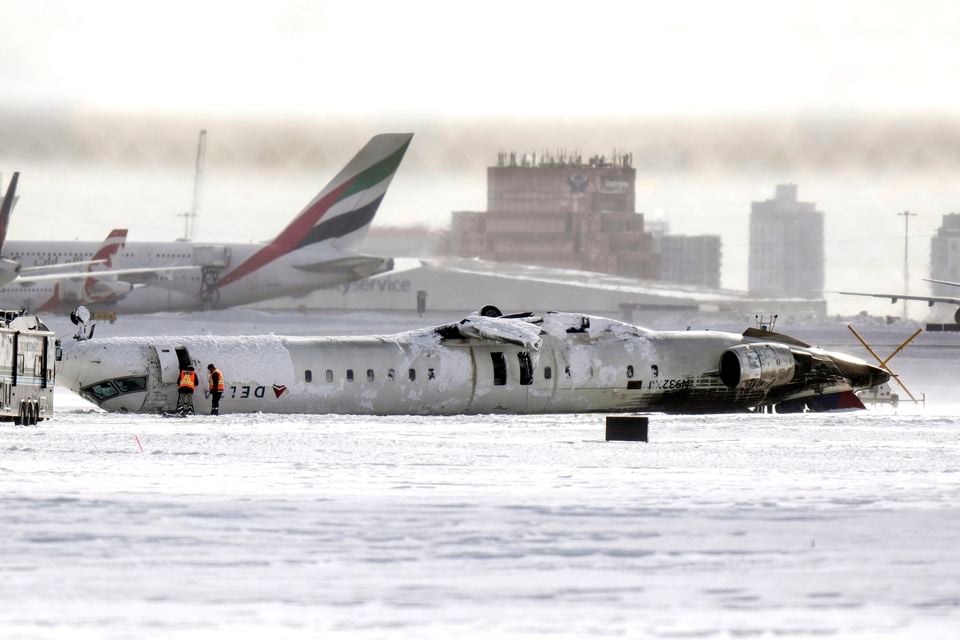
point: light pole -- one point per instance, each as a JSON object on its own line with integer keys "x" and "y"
{"x": 906, "y": 257}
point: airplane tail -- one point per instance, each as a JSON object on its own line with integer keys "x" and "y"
{"x": 9, "y": 198}
{"x": 97, "y": 288}
{"x": 111, "y": 246}
{"x": 343, "y": 211}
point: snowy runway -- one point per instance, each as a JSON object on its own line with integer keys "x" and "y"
{"x": 302, "y": 526}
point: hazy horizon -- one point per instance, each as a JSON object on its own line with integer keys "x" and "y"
{"x": 100, "y": 106}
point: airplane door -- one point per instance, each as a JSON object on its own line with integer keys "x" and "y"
{"x": 545, "y": 381}
{"x": 169, "y": 364}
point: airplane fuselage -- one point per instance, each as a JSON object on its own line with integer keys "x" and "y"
{"x": 577, "y": 364}
{"x": 182, "y": 290}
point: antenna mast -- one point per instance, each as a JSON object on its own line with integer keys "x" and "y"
{"x": 189, "y": 218}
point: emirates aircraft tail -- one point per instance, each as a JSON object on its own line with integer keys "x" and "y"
{"x": 342, "y": 212}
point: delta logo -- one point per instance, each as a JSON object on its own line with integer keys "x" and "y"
{"x": 279, "y": 389}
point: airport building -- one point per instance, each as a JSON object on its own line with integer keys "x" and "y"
{"x": 945, "y": 255}
{"x": 562, "y": 212}
{"x": 457, "y": 286}
{"x": 786, "y": 246}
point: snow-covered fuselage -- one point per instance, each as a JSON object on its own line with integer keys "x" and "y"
{"x": 549, "y": 363}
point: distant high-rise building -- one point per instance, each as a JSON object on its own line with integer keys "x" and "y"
{"x": 559, "y": 211}
{"x": 945, "y": 255}
{"x": 690, "y": 260}
{"x": 786, "y": 246}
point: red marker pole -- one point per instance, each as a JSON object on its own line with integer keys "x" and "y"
{"x": 138, "y": 442}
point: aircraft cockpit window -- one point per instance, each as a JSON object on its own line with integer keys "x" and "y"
{"x": 526, "y": 368}
{"x": 307, "y": 375}
{"x": 369, "y": 375}
{"x": 329, "y": 375}
{"x": 129, "y": 385}
{"x": 349, "y": 375}
{"x": 102, "y": 390}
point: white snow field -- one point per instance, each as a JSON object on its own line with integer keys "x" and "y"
{"x": 841, "y": 525}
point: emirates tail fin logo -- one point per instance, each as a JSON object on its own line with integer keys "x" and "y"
{"x": 279, "y": 389}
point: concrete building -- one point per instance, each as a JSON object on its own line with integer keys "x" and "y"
{"x": 945, "y": 255}
{"x": 408, "y": 242}
{"x": 786, "y": 246}
{"x": 562, "y": 212}
{"x": 690, "y": 260}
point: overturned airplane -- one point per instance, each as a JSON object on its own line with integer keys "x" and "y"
{"x": 486, "y": 363}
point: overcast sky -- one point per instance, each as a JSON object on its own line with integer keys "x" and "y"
{"x": 505, "y": 58}
{"x": 715, "y": 98}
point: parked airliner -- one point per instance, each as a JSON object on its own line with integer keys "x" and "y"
{"x": 930, "y": 300}
{"x": 485, "y": 363}
{"x": 313, "y": 251}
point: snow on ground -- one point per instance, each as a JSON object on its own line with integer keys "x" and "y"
{"x": 794, "y": 526}
{"x": 490, "y": 526}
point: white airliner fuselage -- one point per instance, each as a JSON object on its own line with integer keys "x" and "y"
{"x": 290, "y": 274}
{"x": 547, "y": 363}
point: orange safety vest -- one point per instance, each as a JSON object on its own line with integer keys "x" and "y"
{"x": 188, "y": 380}
{"x": 219, "y": 376}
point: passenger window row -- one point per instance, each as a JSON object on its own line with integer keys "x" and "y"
{"x": 371, "y": 376}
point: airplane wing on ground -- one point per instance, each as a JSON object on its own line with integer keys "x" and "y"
{"x": 498, "y": 330}
{"x": 895, "y": 297}
{"x": 947, "y": 282}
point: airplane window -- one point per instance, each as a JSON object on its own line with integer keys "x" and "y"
{"x": 329, "y": 375}
{"x": 129, "y": 385}
{"x": 629, "y": 370}
{"x": 412, "y": 374}
{"x": 390, "y": 375}
{"x": 526, "y": 368}
{"x": 369, "y": 375}
{"x": 499, "y": 368}
{"x": 308, "y": 375}
{"x": 430, "y": 374}
{"x": 101, "y": 390}
{"x": 349, "y": 375}
{"x": 547, "y": 373}
{"x": 566, "y": 371}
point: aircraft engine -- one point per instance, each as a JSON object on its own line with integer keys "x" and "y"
{"x": 757, "y": 366}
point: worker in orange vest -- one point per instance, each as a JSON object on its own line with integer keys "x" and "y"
{"x": 216, "y": 388}
{"x": 188, "y": 381}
